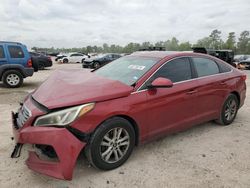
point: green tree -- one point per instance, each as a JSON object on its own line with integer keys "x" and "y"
{"x": 243, "y": 45}
{"x": 231, "y": 41}
{"x": 185, "y": 46}
{"x": 204, "y": 42}
{"x": 216, "y": 41}
{"x": 172, "y": 44}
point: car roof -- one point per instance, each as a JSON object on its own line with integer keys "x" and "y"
{"x": 161, "y": 54}
{"x": 9, "y": 42}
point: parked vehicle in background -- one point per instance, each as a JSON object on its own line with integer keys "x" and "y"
{"x": 241, "y": 57}
{"x": 225, "y": 55}
{"x": 42, "y": 60}
{"x": 130, "y": 101}
{"x": 98, "y": 61}
{"x": 15, "y": 63}
{"x": 244, "y": 64}
{"x": 60, "y": 56}
{"x": 73, "y": 58}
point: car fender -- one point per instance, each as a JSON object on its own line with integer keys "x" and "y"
{"x": 3, "y": 68}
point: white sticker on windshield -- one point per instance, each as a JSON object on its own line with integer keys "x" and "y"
{"x": 136, "y": 67}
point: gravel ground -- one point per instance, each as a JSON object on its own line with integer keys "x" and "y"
{"x": 207, "y": 155}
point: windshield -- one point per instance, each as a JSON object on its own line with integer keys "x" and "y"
{"x": 127, "y": 69}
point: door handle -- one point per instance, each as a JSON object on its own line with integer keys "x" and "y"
{"x": 222, "y": 83}
{"x": 191, "y": 92}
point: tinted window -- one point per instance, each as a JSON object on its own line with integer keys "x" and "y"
{"x": 2, "y": 55}
{"x": 224, "y": 67}
{"x": 176, "y": 70}
{"x": 205, "y": 67}
{"x": 16, "y": 52}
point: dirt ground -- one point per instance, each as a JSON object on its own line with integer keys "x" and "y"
{"x": 207, "y": 155}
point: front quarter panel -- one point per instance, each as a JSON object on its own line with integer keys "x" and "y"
{"x": 132, "y": 106}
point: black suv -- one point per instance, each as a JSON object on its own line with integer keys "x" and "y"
{"x": 225, "y": 55}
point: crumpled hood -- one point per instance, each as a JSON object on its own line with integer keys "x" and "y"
{"x": 74, "y": 86}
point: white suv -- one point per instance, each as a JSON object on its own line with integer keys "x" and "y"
{"x": 73, "y": 58}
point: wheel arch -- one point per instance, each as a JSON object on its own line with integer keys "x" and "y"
{"x": 10, "y": 68}
{"x": 237, "y": 95}
{"x": 134, "y": 125}
{"x": 130, "y": 120}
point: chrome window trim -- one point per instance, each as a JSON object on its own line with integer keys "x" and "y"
{"x": 139, "y": 91}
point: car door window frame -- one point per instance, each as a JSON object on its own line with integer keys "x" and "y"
{"x": 3, "y": 52}
{"x": 193, "y": 73}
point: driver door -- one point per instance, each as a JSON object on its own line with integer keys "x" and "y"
{"x": 172, "y": 109}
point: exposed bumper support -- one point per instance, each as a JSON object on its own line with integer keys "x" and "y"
{"x": 66, "y": 145}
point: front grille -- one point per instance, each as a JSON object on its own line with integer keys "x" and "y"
{"x": 23, "y": 115}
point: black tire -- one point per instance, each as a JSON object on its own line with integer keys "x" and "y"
{"x": 65, "y": 60}
{"x": 17, "y": 78}
{"x": 41, "y": 66}
{"x": 232, "y": 112}
{"x": 94, "y": 147}
{"x": 96, "y": 65}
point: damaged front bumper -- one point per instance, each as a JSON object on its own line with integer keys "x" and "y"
{"x": 66, "y": 145}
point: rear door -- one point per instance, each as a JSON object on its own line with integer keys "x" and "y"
{"x": 172, "y": 109}
{"x": 211, "y": 88}
{"x": 3, "y": 58}
{"x": 16, "y": 54}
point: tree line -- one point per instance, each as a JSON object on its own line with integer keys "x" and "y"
{"x": 213, "y": 41}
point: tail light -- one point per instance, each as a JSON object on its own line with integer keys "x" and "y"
{"x": 29, "y": 63}
{"x": 49, "y": 58}
{"x": 244, "y": 77}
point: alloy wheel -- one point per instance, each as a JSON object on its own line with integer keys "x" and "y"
{"x": 230, "y": 110}
{"x": 114, "y": 145}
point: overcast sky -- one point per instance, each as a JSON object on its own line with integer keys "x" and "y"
{"x": 77, "y": 23}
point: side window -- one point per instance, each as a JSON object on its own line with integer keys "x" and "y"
{"x": 224, "y": 67}
{"x": 176, "y": 70}
{"x": 205, "y": 67}
{"x": 15, "y": 52}
{"x": 2, "y": 55}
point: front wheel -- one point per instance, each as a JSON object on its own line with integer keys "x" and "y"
{"x": 229, "y": 110}
{"x": 111, "y": 144}
{"x": 96, "y": 65}
{"x": 12, "y": 78}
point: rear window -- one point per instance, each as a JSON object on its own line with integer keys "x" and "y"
{"x": 16, "y": 52}
{"x": 2, "y": 55}
{"x": 205, "y": 67}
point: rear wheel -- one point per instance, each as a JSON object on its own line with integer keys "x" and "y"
{"x": 12, "y": 78}
{"x": 111, "y": 144}
{"x": 229, "y": 110}
{"x": 65, "y": 60}
{"x": 41, "y": 66}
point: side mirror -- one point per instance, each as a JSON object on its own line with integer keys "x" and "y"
{"x": 161, "y": 83}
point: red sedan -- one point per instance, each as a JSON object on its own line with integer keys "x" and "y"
{"x": 130, "y": 101}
